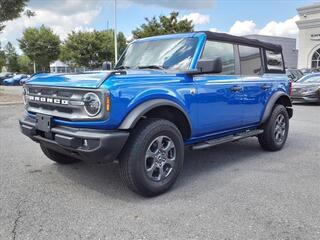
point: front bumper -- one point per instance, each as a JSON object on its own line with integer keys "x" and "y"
{"x": 86, "y": 144}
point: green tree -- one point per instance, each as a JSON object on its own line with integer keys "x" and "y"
{"x": 25, "y": 64}
{"x": 11, "y": 58}
{"x": 41, "y": 45}
{"x": 91, "y": 49}
{"x": 2, "y": 58}
{"x": 165, "y": 25}
{"x": 11, "y": 9}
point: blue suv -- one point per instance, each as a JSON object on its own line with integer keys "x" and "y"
{"x": 166, "y": 92}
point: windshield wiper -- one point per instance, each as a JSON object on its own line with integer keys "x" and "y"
{"x": 122, "y": 67}
{"x": 152, "y": 67}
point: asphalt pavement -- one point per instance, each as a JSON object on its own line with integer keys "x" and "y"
{"x": 232, "y": 191}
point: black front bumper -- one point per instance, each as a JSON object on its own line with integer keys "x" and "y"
{"x": 85, "y": 144}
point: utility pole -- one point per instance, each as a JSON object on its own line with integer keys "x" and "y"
{"x": 115, "y": 33}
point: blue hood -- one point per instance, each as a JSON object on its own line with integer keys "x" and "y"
{"x": 82, "y": 80}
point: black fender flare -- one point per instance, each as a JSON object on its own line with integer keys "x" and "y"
{"x": 273, "y": 99}
{"x": 135, "y": 115}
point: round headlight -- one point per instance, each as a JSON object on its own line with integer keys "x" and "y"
{"x": 92, "y": 104}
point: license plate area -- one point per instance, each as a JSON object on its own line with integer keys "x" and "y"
{"x": 43, "y": 122}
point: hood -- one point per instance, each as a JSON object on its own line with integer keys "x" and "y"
{"x": 82, "y": 80}
{"x": 304, "y": 85}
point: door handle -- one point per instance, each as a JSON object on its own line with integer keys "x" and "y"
{"x": 266, "y": 86}
{"x": 236, "y": 88}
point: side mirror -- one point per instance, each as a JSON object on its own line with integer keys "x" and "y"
{"x": 210, "y": 65}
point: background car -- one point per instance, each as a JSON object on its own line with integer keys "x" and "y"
{"x": 306, "y": 71}
{"x": 307, "y": 88}
{"x": 5, "y": 75}
{"x": 294, "y": 74}
{"x": 15, "y": 80}
{"x": 24, "y": 80}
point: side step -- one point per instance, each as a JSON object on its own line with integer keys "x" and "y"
{"x": 230, "y": 138}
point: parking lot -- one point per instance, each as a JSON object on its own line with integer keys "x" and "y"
{"x": 233, "y": 191}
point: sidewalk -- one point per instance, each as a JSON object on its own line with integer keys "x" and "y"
{"x": 10, "y": 95}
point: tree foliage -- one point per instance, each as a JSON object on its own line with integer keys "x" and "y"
{"x": 11, "y": 9}
{"x": 40, "y": 45}
{"x": 2, "y": 58}
{"x": 91, "y": 49}
{"x": 165, "y": 25}
{"x": 11, "y": 57}
{"x": 25, "y": 64}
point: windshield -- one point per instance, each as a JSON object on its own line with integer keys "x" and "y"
{"x": 310, "y": 79}
{"x": 159, "y": 54}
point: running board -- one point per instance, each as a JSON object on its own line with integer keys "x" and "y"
{"x": 230, "y": 138}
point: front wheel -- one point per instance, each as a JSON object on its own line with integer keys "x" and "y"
{"x": 275, "y": 130}
{"x": 153, "y": 157}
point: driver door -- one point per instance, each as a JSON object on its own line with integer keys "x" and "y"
{"x": 220, "y": 96}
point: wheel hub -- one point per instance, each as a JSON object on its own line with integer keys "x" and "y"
{"x": 160, "y": 158}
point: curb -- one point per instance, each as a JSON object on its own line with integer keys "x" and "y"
{"x": 10, "y": 103}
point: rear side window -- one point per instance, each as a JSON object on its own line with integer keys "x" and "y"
{"x": 213, "y": 50}
{"x": 274, "y": 61}
{"x": 250, "y": 61}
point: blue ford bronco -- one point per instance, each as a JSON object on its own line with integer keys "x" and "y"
{"x": 196, "y": 89}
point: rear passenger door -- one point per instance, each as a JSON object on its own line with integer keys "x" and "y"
{"x": 219, "y": 96}
{"x": 256, "y": 87}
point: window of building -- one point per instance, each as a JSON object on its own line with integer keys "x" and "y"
{"x": 213, "y": 50}
{"x": 274, "y": 61}
{"x": 316, "y": 60}
{"x": 250, "y": 60}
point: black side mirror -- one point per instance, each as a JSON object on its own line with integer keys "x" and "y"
{"x": 210, "y": 65}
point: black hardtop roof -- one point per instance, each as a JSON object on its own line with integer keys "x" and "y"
{"x": 224, "y": 37}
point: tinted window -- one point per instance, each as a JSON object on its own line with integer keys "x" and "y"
{"x": 274, "y": 61}
{"x": 213, "y": 50}
{"x": 250, "y": 60}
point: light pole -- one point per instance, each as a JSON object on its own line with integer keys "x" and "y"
{"x": 115, "y": 33}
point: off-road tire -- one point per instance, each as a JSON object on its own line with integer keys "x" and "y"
{"x": 58, "y": 157}
{"x": 267, "y": 139}
{"x": 133, "y": 158}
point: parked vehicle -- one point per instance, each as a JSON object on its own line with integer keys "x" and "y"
{"x": 5, "y": 75}
{"x": 306, "y": 71}
{"x": 24, "y": 80}
{"x": 294, "y": 74}
{"x": 307, "y": 88}
{"x": 194, "y": 89}
{"x": 15, "y": 80}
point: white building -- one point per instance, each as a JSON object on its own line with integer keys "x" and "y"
{"x": 309, "y": 36}
{"x": 289, "y": 48}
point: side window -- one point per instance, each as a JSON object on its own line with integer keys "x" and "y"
{"x": 225, "y": 51}
{"x": 250, "y": 60}
{"x": 274, "y": 61}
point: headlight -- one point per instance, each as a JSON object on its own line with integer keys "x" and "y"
{"x": 92, "y": 104}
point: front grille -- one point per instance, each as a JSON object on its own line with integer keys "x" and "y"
{"x": 64, "y": 103}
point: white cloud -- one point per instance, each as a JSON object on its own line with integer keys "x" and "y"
{"x": 243, "y": 28}
{"x": 177, "y": 4}
{"x": 287, "y": 28}
{"x": 213, "y": 30}
{"x": 61, "y": 19}
{"x": 197, "y": 18}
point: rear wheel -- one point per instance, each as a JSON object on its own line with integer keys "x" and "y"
{"x": 153, "y": 157}
{"x": 58, "y": 157}
{"x": 275, "y": 130}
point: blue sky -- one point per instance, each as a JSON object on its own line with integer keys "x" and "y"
{"x": 268, "y": 17}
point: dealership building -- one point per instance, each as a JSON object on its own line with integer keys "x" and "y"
{"x": 309, "y": 36}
